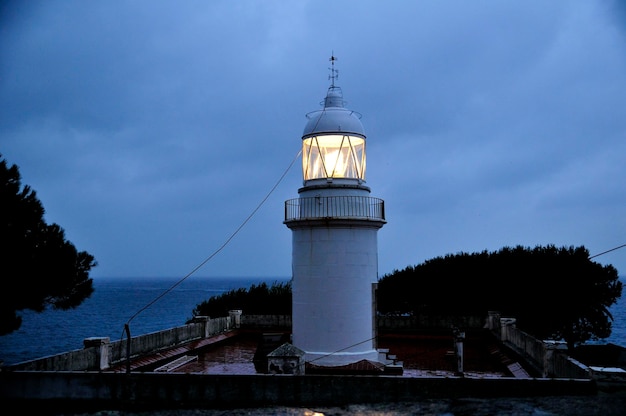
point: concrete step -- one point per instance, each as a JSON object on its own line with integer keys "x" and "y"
{"x": 172, "y": 365}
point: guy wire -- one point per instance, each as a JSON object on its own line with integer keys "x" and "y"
{"x": 195, "y": 269}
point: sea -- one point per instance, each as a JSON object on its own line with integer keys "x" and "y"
{"x": 149, "y": 304}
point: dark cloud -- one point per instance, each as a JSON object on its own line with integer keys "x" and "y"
{"x": 151, "y": 131}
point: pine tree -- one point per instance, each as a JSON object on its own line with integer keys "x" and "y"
{"x": 40, "y": 268}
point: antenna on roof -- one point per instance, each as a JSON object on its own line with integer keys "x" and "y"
{"x": 334, "y": 73}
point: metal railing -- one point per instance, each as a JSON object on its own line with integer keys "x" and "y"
{"x": 340, "y": 207}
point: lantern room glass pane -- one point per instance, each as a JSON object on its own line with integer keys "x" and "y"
{"x": 333, "y": 156}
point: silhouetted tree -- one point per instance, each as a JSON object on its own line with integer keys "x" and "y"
{"x": 259, "y": 299}
{"x": 554, "y": 293}
{"x": 40, "y": 268}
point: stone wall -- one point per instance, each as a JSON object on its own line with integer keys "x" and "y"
{"x": 401, "y": 323}
{"x": 100, "y": 353}
{"x": 548, "y": 358}
{"x": 74, "y": 391}
{"x": 266, "y": 321}
{"x": 395, "y": 323}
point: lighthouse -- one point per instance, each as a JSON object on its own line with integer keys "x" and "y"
{"x": 334, "y": 224}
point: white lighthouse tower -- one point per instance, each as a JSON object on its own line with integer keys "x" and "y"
{"x": 334, "y": 225}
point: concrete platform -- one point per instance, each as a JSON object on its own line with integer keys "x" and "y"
{"x": 422, "y": 355}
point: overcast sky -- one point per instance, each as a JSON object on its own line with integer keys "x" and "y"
{"x": 151, "y": 130}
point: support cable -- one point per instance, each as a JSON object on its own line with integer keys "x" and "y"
{"x": 367, "y": 340}
{"x": 608, "y": 251}
{"x": 342, "y": 349}
{"x": 195, "y": 269}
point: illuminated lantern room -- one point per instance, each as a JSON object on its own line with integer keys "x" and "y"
{"x": 333, "y": 142}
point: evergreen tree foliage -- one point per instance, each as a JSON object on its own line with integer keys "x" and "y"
{"x": 554, "y": 293}
{"x": 39, "y": 265}
{"x": 259, "y": 299}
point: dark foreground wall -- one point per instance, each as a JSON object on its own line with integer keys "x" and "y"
{"x": 90, "y": 390}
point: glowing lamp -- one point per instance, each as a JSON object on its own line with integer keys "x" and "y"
{"x": 333, "y": 142}
{"x": 333, "y": 156}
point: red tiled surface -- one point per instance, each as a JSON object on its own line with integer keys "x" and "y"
{"x": 422, "y": 355}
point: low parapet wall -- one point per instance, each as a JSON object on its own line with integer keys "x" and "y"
{"x": 266, "y": 321}
{"x": 548, "y": 358}
{"x": 400, "y": 323}
{"x": 72, "y": 391}
{"x": 395, "y": 323}
{"x": 99, "y": 353}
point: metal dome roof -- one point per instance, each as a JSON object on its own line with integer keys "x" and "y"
{"x": 334, "y": 118}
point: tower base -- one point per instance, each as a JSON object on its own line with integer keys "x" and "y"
{"x": 385, "y": 363}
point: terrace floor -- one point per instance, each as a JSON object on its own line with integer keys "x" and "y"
{"x": 422, "y": 355}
